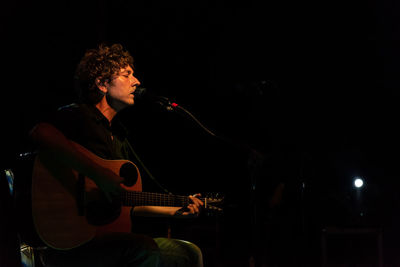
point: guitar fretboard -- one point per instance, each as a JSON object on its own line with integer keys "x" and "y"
{"x": 154, "y": 199}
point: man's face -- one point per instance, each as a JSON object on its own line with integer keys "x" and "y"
{"x": 121, "y": 88}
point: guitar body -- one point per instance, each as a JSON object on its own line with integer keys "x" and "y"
{"x": 59, "y": 205}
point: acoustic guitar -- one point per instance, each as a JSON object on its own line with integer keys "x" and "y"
{"x": 69, "y": 209}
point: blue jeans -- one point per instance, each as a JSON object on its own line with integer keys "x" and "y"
{"x": 180, "y": 253}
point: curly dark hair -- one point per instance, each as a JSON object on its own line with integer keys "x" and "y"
{"x": 102, "y": 63}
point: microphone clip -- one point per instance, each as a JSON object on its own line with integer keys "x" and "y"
{"x": 166, "y": 103}
{"x": 141, "y": 93}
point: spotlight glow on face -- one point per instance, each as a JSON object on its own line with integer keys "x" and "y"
{"x": 358, "y": 182}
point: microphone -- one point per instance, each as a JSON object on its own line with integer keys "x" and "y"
{"x": 142, "y": 94}
{"x": 139, "y": 92}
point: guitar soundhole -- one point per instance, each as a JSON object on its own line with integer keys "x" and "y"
{"x": 129, "y": 173}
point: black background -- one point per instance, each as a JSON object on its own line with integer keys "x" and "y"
{"x": 311, "y": 86}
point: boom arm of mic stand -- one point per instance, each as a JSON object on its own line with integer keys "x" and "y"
{"x": 256, "y": 157}
{"x": 197, "y": 121}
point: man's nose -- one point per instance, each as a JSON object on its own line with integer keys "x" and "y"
{"x": 135, "y": 81}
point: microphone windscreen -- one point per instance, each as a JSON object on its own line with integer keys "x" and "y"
{"x": 140, "y": 92}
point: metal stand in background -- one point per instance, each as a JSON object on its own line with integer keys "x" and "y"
{"x": 303, "y": 184}
{"x": 254, "y": 165}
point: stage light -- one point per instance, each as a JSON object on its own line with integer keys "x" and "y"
{"x": 358, "y": 182}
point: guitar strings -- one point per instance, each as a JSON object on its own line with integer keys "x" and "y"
{"x": 148, "y": 198}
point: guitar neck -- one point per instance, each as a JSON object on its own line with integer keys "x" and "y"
{"x": 153, "y": 199}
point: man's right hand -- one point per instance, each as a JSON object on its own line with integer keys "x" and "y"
{"x": 109, "y": 183}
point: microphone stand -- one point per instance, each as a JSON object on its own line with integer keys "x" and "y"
{"x": 254, "y": 163}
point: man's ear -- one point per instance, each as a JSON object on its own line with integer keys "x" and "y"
{"x": 102, "y": 86}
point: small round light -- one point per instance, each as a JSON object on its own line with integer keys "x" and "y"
{"x": 358, "y": 182}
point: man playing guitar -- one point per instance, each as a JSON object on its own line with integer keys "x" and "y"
{"x": 78, "y": 146}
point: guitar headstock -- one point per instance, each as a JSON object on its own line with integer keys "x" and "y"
{"x": 213, "y": 203}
